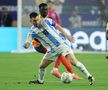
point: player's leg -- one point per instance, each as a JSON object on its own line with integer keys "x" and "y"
{"x": 65, "y": 62}
{"x": 48, "y": 58}
{"x": 41, "y": 74}
{"x": 43, "y": 65}
{"x": 57, "y": 63}
{"x": 55, "y": 70}
{"x": 80, "y": 66}
{"x": 67, "y": 65}
{"x": 63, "y": 49}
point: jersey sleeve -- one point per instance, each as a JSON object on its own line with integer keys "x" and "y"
{"x": 53, "y": 23}
{"x": 50, "y": 22}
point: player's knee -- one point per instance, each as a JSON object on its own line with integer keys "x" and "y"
{"x": 74, "y": 62}
{"x": 41, "y": 66}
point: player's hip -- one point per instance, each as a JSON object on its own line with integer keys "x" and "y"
{"x": 62, "y": 49}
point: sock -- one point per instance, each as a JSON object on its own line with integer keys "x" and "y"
{"x": 57, "y": 63}
{"x": 41, "y": 75}
{"x": 54, "y": 68}
{"x": 66, "y": 63}
{"x": 82, "y": 68}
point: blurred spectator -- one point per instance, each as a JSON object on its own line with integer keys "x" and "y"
{"x": 58, "y": 5}
{"x": 102, "y": 8}
{"x": 75, "y": 19}
{"x": 25, "y": 18}
{"x": 5, "y": 18}
{"x": 40, "y": 1}
{"x": 52, "y": 13}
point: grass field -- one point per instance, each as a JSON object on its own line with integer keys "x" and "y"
{"x": 17, "y": 69}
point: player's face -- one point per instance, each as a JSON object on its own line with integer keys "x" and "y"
{"x": 44, "y": 11}
{"x": 35, "y": 21}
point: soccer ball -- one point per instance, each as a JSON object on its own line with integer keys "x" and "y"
{"x": 66, "y": 77}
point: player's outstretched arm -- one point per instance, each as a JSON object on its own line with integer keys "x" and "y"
{"x": 28, "y": 41}
{"x": 70, "y": 38}
{"x": 26, "y": 45}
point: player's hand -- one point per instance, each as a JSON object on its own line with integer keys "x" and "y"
{"x": 71, "y": 39}
{"x": 26, "y": 45}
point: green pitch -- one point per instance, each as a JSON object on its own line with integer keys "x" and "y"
{"x": 17, "y": 69}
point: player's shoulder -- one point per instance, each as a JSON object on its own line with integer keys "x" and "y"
{"x": 47, "y": 20}
{"x": 32, "y": 27}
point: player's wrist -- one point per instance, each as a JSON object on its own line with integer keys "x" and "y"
{"x": 26, "y": 45}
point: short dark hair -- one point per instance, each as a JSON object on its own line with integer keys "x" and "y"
{"x": 42, "y": 5}
{"x": 33, "y": 14}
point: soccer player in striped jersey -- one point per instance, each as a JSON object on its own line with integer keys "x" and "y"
{"x": 45, "y": 32}
{"x": 43, "y": 12}
{"x": 50, "y": 39}
{"x": 43, "y": 9}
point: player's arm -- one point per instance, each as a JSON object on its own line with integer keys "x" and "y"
{"x": 107, "y": 31}
{"x": 58, "y": 27}
{"x": 28, "y": 41}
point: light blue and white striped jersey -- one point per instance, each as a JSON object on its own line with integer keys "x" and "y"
{"x": 47, "y": 34}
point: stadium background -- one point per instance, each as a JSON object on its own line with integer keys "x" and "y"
{"x": 17, "y": 69}
{"x": 94, "y": 33}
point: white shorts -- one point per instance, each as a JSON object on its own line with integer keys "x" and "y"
{"x": 62, "y": 49}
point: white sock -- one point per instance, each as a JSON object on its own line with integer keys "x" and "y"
{"x": 82, "y": 68}
{"x": 41, "y": 75}
{"x": 73, "y": 74}
{"x": 54, "y": 68}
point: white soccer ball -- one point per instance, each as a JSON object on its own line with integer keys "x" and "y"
{"x": 66, "y": 77}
